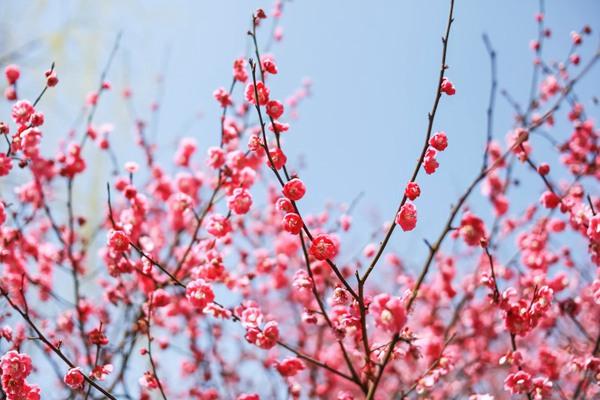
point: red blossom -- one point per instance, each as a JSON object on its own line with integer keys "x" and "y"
{"x": 407, "y": 217}
{"x": 472, "y": 229}
{"x": 74, "y": 378}
{"x": 294, "y": 189}
{"x": 263, "y": 93}
{"x": 292, "y": 223}
{"x": 439, "y": 141}
{"x": 12, "y": 73}
{"x": 118, "y": 241}
{"x": 412, "y": 191}
{"x": 323, "y": 247}
{"x": 290, "y": 366}
{"x": 199, "y": 293}
{"x": 448, "y": 87}
{"x": 389, "y": 312}
{"x": 274, "y": 109}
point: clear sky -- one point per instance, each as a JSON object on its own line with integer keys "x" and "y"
{"x": 373, "y": 65}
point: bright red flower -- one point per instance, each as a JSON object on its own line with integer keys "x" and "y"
{"x": 274, "y": 109}
{"x": 279, "y": 159}
{"x": 240, "y": 201}
{"x": 292, "y": 223}
{"x": 439, "y": 141}
{"x": 199, "y": 293}
{"x": 290, "y": 366}
{"x": 12, "y": 73}
{"x": 323, "y": 247}
{"x": 472, "y": 229}
{"x": 430, "y": 164}
{"x": 239, "y": 70}
{"x": 118, "y": 241}
{"x": 407, "y": 217}
{"x": 294, "y": 189}
{"x": 261, "y": 89}
{"x": 223, "y": 97}
{"x": 218, "y": 225}
{"x": 268, "y": 65}
{"x": 412, "y": 190}
{"x": 518, "y": 382}
{"x": 74, "y": 378}
{"x": 389, "y": 312}
{"x": 448, "y": 87}
{"x": 549, "y": 199}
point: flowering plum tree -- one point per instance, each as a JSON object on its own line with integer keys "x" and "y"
{"x": 203, "y": 291}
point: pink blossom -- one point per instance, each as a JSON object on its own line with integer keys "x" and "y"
{"x": 290, "y": 366}
{"x": 323, "y": 247}
{"x": 472, "y": 229}
{"x": 447, "y": 87}
{"x": 518, "y": 382}
{"x": 223, "y": 97}
{"x": 118, "y": 241}
{"x": 199, "y": 293}
{"x": 439, "y": 141}
{"x": 240, "y": 201}
{"x": 389, "y": 312}
{"x": 274, "y": 109}
{"x": 294, "y": 189}
{"x": 218, "y": 225}
{"x": 261, "y": 89}
{"x": 407, "y": 217}
{"x": 74, "y": 378}
{"x": 292, "y": 223}
{"x": 12, "y": 73}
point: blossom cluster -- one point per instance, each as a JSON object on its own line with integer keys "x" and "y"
{"x": 203, "y": 275}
